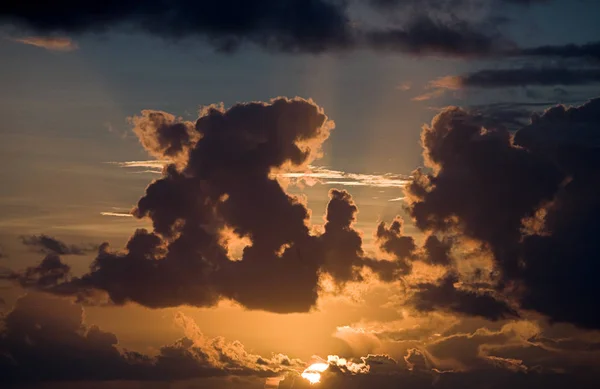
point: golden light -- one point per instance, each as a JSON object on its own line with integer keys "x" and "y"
{"x": 313, "y": 372}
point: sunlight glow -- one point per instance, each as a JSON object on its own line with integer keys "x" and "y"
{"x": 313, "y": 372}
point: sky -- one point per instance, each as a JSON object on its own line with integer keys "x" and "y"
{"x": 299, "y": 194}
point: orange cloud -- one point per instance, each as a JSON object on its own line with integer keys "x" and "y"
{"x": 447, "y": 82}
{"x": 49, "y": 43}
{"x": 429, "y": 95}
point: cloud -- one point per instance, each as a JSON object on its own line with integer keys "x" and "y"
{"x": 311, "y": 175}
{"x": 445, "y": 296}
{"x": 48, "y": 245}
{"x": 163, "y": 135}
{"x": 226, "y": 182}
{"x": 429, "y": 95}
{"x": 269, "y": 24}
{"x": 48, "y": 42}
{"x": 116, "y": 214}
{"x": 425, "y": 36}
{"x": 503, "y": 78}
{"x": 590, "y": 51}
{"x": 531, "y": 201}
{"x": 44, "y": 339}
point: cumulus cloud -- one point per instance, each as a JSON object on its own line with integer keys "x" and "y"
{"x": 530, "y": 200}
{"x": 221, "y": 187}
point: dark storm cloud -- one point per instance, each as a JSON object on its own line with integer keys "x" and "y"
{"x": 537, "y": 76}
{"x": 532, "y": 201}
{"x": 44, "y": 339}
{"x": 48, "y": 245}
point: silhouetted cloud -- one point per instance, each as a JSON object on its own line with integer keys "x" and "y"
{"x": 290, "y": 26}
{"x": 426, "y": 36}
{"x": 44, "y": 339}
{"x": 589, "y": 51}
{"x": 224, "y": 186}
{"x": 48, "y": 245}
{"x": 269, "y": 23}
{"x": 532, "y": 202}
{"x": 445, "y": 296}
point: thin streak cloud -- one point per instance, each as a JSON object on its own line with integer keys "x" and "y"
{"x": 116, "y": 214}
{"x": 312, "y": 176}
{"x": 48, "y": 43}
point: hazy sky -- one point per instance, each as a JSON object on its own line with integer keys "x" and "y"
{"x": 369, "y": 76}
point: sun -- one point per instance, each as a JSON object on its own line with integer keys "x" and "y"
{"x": 313, "y": 372}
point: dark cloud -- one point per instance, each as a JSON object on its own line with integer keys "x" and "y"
{"x": 49, "y": 272}
{"x": 310, "y": 26}
{"x": 585, "y": 51}
{"x": 402, "y": 248}
{"x": 532, "y": 201}
{"x": 564, "y": 249}
{"x": 437, "y": 252}
{"x": 538, "y": 76}
{"x": 44, "y": 339}
{"x": 445, "y": 296}
{"x": 221, "y": 189}
{"x": 491, "y": 377}
{"x": 48, "y": 245}
{"x": 294, "y": 25}
{"x": 447, "y": 5}
{"x": 426, "y": 36}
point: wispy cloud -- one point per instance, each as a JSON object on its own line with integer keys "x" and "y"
{"x": 397, "y": 199}
{"x": 429, "y": 95}
{"x": 117, "y": 214}
{"x": 48, "y": 43}
{"x": 325, "y": 176}
{"x": 405, "y": 86}
{"x": 314, "y": 175}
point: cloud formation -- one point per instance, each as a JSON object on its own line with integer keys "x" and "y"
{"x": 44, "y": 339}
{"x": 270, "y": 24}
{"x": 222, "y": 186}
{"x": 530, "y": 201}
{"x": 48, "y": 245}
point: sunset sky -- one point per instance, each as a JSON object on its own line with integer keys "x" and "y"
{"x": 327, "y": 194}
